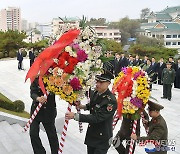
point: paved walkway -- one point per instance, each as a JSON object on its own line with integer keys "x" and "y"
{"x": 13, "y": 86}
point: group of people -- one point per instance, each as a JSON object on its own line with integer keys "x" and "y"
{"x": 20, "y": 58}
{"x": 102, "y": 107}
{"x": 161, "y": 72}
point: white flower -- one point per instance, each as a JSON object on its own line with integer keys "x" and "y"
{"x": 50, "y": 70}
{"x": 68, "y": 49}
{"x": 56, "y": 60}
{"x": 60, "y": 72}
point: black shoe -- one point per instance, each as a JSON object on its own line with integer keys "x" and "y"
{"x": 163, "y": 98}
{"x": 169, "y": 99}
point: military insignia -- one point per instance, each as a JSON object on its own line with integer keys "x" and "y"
{"x": 97, "y": 105}
{"x": 109, "y": 107}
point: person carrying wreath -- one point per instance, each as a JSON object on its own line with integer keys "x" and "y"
{"x": 102, "y": 107}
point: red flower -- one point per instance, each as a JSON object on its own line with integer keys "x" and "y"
{"x": 67, "y": 63}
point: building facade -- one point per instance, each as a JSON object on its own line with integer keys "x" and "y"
{"x": 110, "y": 34}
{"x": 10, "y": 18}
{"x": 164, "y": 25}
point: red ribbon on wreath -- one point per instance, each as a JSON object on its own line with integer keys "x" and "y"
{"x": 124, "y": 89}
{"x": 45, "y": 59}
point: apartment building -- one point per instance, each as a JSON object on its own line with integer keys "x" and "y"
{"x": 10, "y": 18}
{"x": 58, "y": 24}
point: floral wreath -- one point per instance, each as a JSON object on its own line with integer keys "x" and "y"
{"x": 74, "y": 70}
{"x": 132, "y": 89}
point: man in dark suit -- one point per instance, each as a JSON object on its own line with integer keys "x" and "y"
{"x": 137, "y": 61}
{"x": 46, "y": 116}
{"x": 158, "y": 130}
{"x": 102, "y": 107}
{"x": 177, "y": 78}
{"x": 154, "y": 70}
{"x": 20, "y": 59}
{"x": 160, "y": 66}
{"x": 31, "y": 56}
{"x": 117, "y": 67}
{"x": 123, "y": 61}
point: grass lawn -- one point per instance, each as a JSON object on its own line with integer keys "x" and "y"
{"x": 23, "y": 114}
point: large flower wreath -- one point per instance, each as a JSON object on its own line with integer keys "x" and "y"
{"x": 132, "y": 89}
{"x": 73, "y": 71}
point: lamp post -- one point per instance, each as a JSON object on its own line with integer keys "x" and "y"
{"x": 31, "y": 36}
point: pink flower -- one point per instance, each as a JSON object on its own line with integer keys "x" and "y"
{"x": 75, "y": 46}
{"x": 75, "y": 83}
{"x": 81, "y": 55}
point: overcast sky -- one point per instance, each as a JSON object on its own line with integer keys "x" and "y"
{"x": 43, "y": 11}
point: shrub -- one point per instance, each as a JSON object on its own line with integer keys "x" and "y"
{"x": 24, "y": 53}
{"x": 19, "y": 106}
{"x": 6, "y": 103}
{"x": 1, "y": 55}
{"x": 12, "y": 54}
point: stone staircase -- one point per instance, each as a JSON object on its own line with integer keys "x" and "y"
{"x": 14, "y": 140}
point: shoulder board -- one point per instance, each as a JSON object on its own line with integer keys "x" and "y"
{"x": 108, "y": 97}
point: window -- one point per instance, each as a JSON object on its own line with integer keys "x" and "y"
{"x": 174, "y": 36}
{"x": 174, "y": 43}
{"x": 110, "y": 34}
{"x": 168, "y": 43}
{"x": 116, "y": 34}
{"x": 178, "y": 43}
{"x": 178, "y": 36}
{"x": 168, "y": 36}
{"x": 105, "y": 34}
{"x": 100, "y": 34}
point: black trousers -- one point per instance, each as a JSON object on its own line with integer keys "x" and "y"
{"x": 52, "y": 137}
{"x": 93, "y": 150}
{"x": 118, "y": 143}
{"x": 20, "y": 65}
{"x": 167, "y": 91}
{"x": 31, "y": 62}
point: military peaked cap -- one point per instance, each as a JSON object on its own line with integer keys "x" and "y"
{"x": 105, "y": 76}
{"x": 154, "y": 106}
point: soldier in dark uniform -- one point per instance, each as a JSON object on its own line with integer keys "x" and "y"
{"x": 47, "y": 116}
{"x": 102, "y": 107}
{"x": 158, "y": 130}
{"x": 168, "y": 76}
{"x": 124, "y": 134}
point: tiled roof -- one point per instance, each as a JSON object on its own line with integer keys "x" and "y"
{"x": 169, "y": 26}
{"x": 161, "y": 16}
{"x": 171, "y": 9}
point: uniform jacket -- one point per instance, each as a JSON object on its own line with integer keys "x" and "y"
{"x": 127, "y": 126}
{"x": 168, "y": 76}
{"x": 102, "y": 108}
{"x": 48, "y": 111}
{"x": 157, "y": 131}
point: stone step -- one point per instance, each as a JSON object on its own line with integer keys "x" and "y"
{"x": 10, "y": 139}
